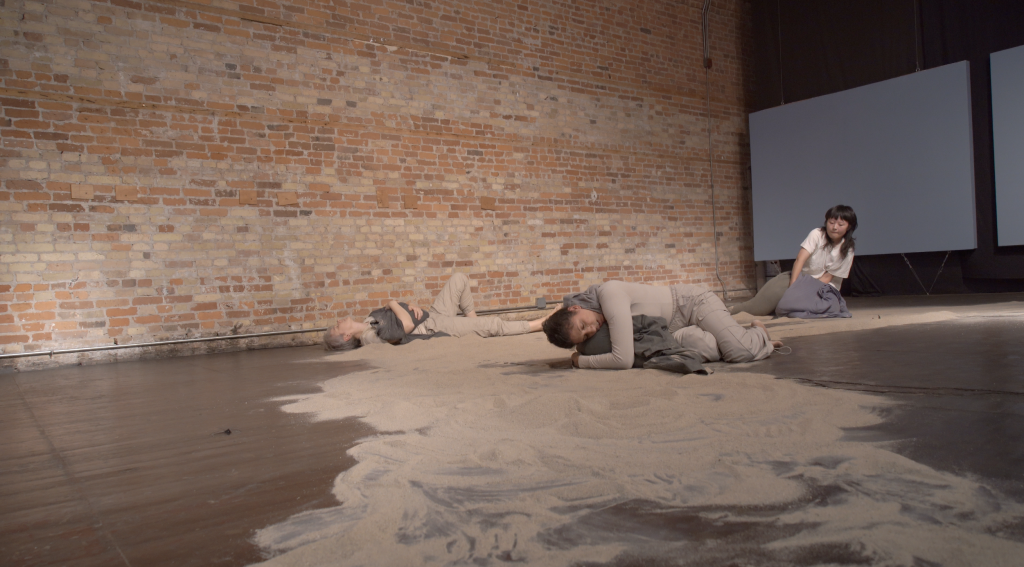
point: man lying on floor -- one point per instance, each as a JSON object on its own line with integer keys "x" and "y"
{"x": 696, "y": 319}
{"x": 399, "y": 323}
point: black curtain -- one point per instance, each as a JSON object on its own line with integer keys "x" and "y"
{"x": 959, "y": 30}
{"x": 808, "y": 48}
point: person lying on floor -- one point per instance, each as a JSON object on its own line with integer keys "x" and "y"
{"x": 399, "y": 323}
{"x": 682, "y": 305}
{"x": 811, "y": 289}
{"x": 694, "y": 346}
{"x": 653, "y": 347}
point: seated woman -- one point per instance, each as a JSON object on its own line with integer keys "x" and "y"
{"x": 398, "y": 323}
{"x": 681, "y": 305}
{"x": 825, "y": 258}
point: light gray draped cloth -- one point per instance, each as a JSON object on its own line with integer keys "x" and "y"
{"x": 585, "y": 299}
{"x": 809, "y": 298}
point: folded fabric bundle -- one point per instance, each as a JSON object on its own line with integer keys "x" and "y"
{"x": 809, "y": 298}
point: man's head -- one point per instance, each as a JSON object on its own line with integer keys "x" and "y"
{"x": 344, "y": 335}
{"x": 570, "y": 326}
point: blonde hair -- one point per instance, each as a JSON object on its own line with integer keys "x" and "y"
{"x": 336, "y": 342}
{"x": 367, "y": 337}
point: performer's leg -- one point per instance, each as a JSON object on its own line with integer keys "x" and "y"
{"x": 767, "y": 297}
{"x": 483, "y": 326}
{"x": 695, "y": 338}
{"x": 735, "y": 342}
{"x": 454, "y": 298}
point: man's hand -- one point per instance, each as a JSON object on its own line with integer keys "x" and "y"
{"x": 416, "y": 311}
{"x": 402, "y": 315}
{"x": 576, "y": 360}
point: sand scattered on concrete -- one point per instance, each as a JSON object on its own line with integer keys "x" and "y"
{"x": 491, "y": 455}
{"x": 785, "y": 328}
{"x": 873, "y": 314}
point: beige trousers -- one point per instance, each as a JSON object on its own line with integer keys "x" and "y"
{"x": 702, "y": 323}
{"x": 455, "y": 298}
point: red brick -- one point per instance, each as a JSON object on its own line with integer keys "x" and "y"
{"x": 553, "y": 161}
{"x": 47, "y": 316}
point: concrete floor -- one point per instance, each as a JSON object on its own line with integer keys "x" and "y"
{"x": 959, "y": 383}
{"x": 132, "y": 464}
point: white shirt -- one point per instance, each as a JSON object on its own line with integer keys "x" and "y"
{"x": 823, "y": 260}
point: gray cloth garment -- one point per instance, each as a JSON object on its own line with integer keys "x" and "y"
{"x": 389, "y": 327}
{"x": 585, "y": 299}
{"x": 809, "y": 298}
{"x": 411, "y": 337}
{"x": 651, "y": 340}
{"x": 768, "y": 297}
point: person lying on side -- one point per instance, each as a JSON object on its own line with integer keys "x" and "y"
{"x": 825, "y": 258}
{"x": 682, "y": 305}
{"x": 398, "y": 323}
{"x": 653, "y": 347}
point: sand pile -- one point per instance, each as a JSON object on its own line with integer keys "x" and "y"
{"x": 492, "y": 455}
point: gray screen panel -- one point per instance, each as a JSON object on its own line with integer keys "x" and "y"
{"x": 1008, "y": 143}
{"x": 899, "y": 152}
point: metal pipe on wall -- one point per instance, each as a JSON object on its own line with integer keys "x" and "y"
{"x": 51, "y": 353}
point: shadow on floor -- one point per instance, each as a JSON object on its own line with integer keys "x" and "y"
{"x": 959, "y": 384}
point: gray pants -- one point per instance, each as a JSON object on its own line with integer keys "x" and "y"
{"x": 455, "y": 298}
{"x": 768, "y": 297}
{"x": 702, "y": 323}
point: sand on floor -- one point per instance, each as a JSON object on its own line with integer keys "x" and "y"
{"x": 492, "y": 450}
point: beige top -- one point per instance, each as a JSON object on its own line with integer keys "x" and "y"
{"x": 620, "y": 301}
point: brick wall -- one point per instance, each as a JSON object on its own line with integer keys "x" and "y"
{"x": 174, "y": 169}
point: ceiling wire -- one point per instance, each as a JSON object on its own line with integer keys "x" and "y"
{"x": 711, "y": 149}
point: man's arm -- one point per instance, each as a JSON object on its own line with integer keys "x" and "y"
{"x": 615, "y": 307}
{"x": 415, "y": 310}
{"x": 402, "y": 315}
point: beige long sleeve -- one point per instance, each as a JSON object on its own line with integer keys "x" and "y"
{"x": 619, "y": 302}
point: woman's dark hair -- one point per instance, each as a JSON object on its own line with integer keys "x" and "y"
{"x": 557, "y": 327}
{"x": 845, "y": 213}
